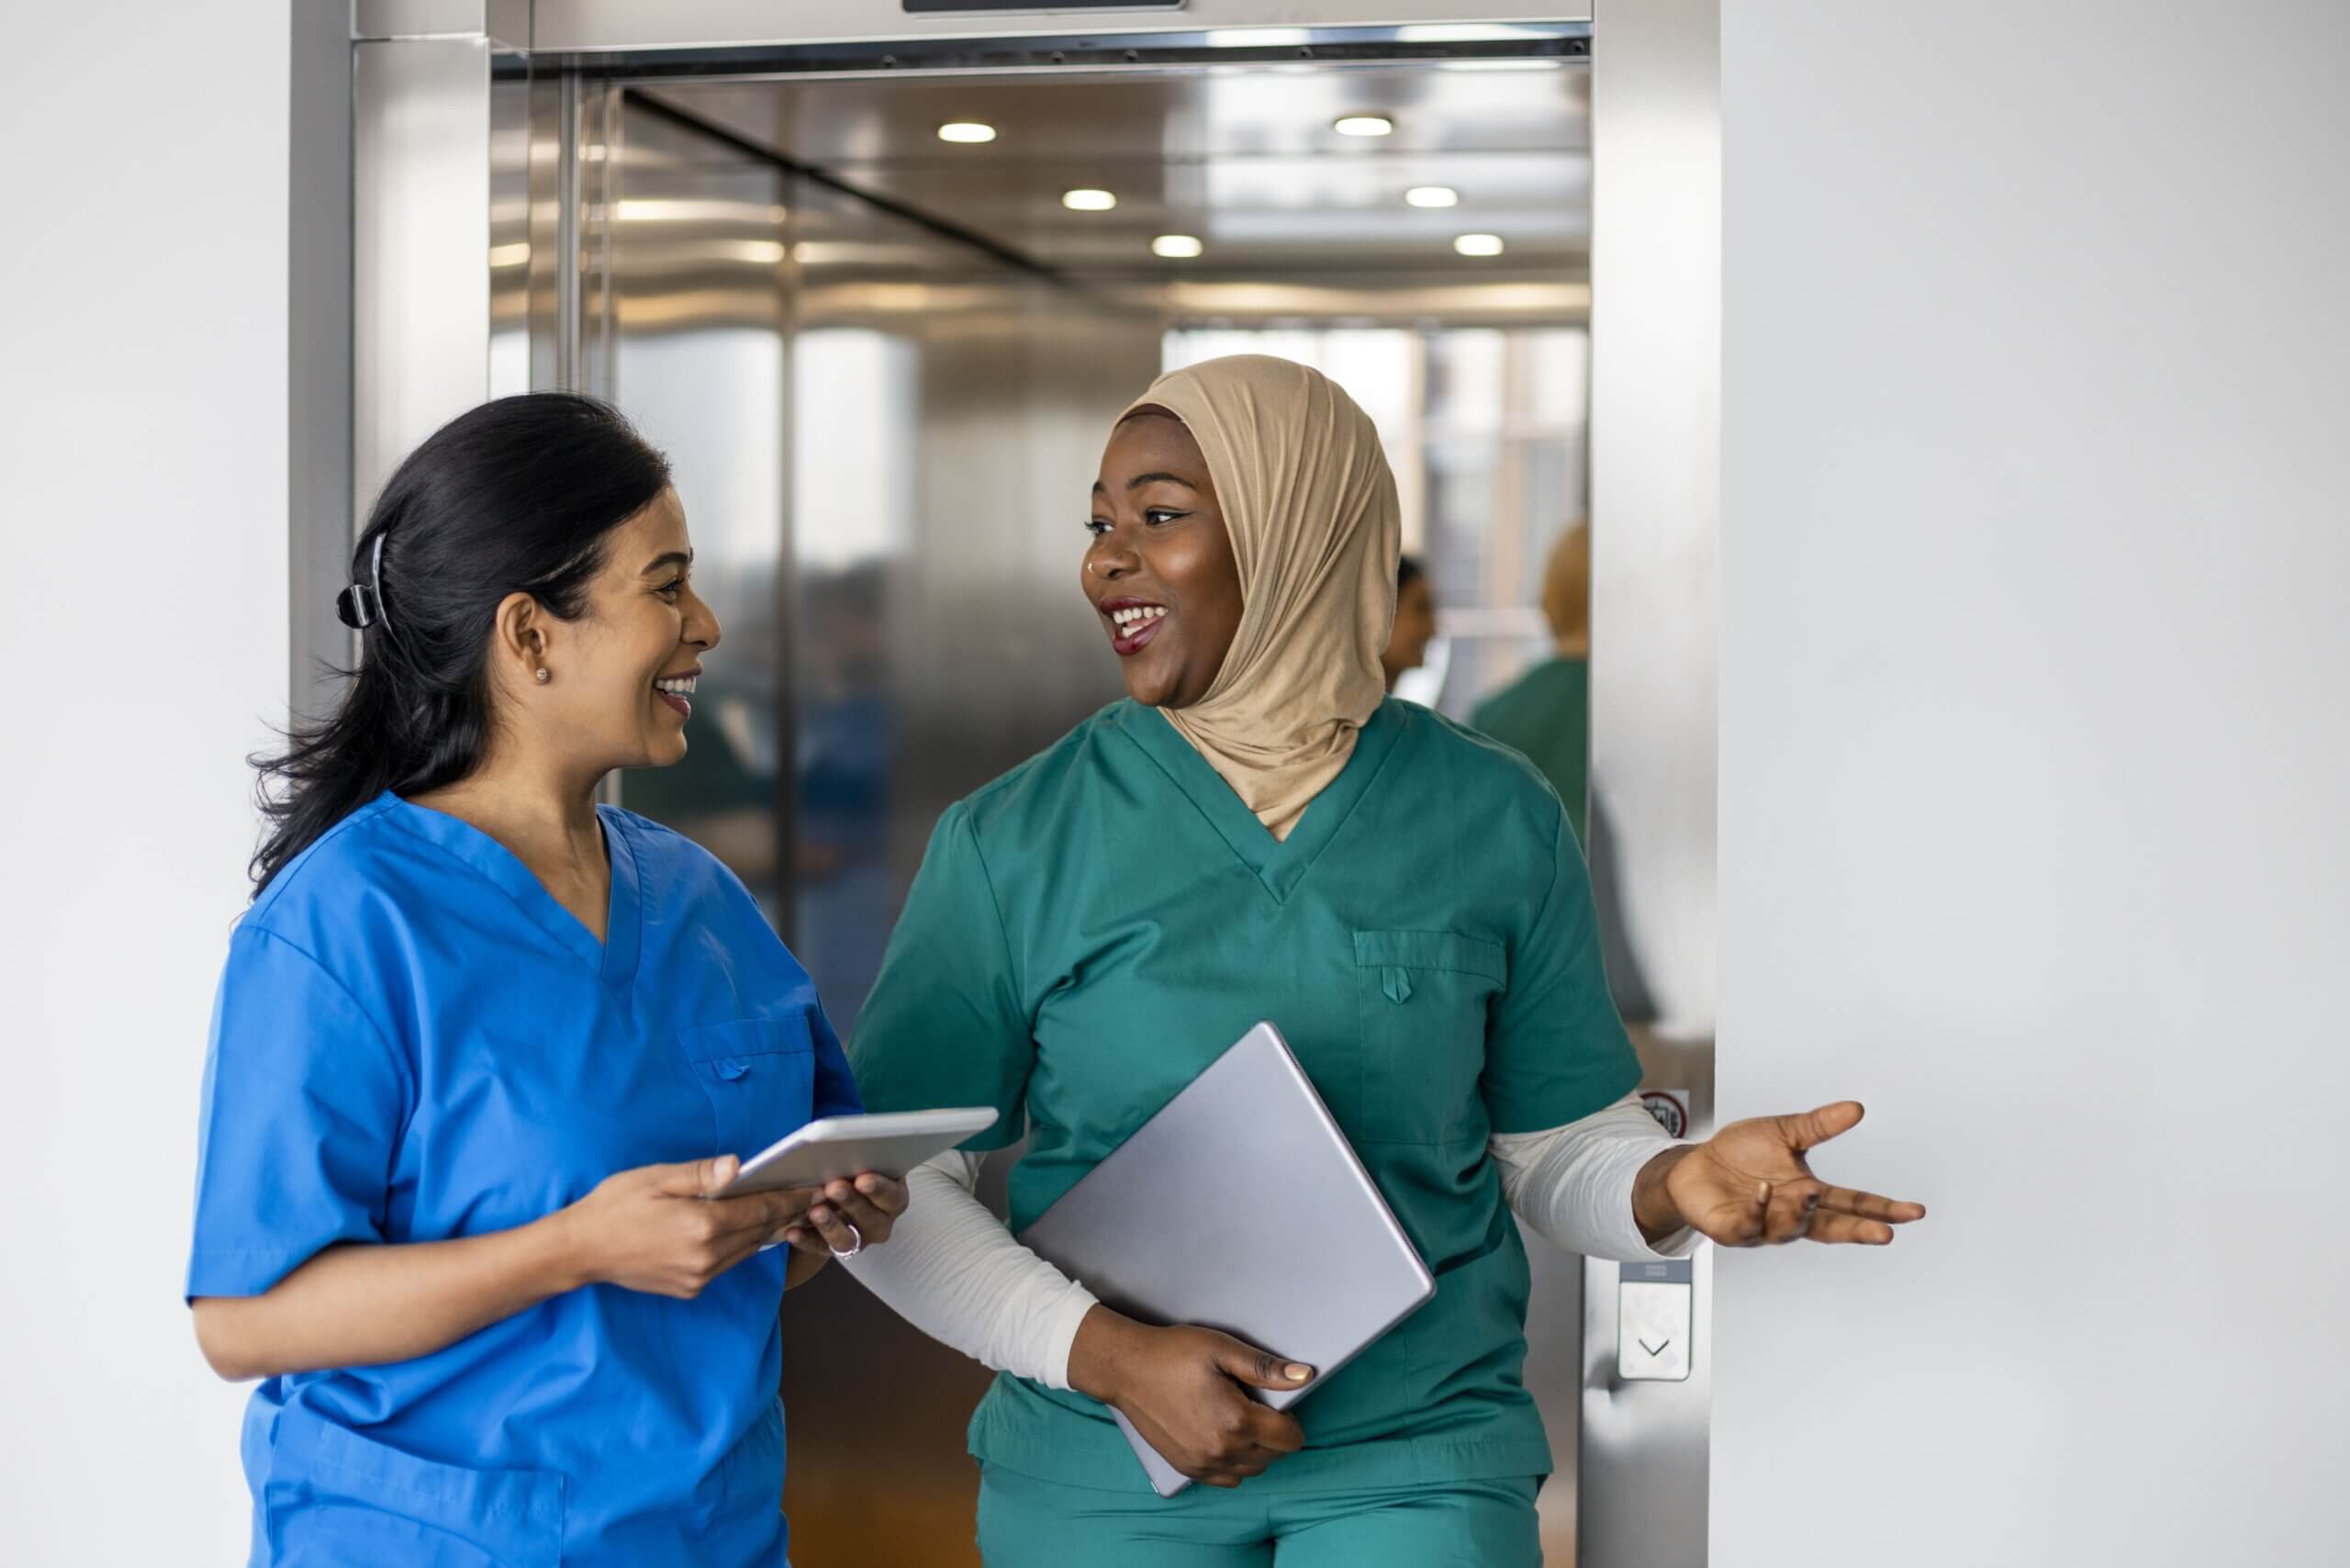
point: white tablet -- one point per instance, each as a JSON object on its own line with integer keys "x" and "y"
{"x": 892, "y": 1143}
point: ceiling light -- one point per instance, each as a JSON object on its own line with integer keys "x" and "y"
{"x": 1259, "y": 37}
{"x": 1464, "y": 32}
{"x": 1088, "y": 201}
{"x": 1433, "y": 196}
{"x": 675, "y": 209}
{"x": 1175, "y": 247}
{"x": 1364, "y": 125}
{"x": 1505, "y": 63}
{"x": 970, "y": 132}
{"x": 1479, "y": 244}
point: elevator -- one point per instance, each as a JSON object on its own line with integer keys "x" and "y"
{"x": 878, "y": 277}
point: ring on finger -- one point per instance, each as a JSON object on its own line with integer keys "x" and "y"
{"x": 854, "y": 1248}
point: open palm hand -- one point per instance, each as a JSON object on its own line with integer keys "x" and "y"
{"x": 1751, "y": 1184}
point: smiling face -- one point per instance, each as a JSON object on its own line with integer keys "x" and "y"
{"x": 1160, "y": 571}
{"x": 621, "y": 675}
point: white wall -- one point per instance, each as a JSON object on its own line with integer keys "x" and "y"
{"x": 143, "y": 550}
{"x": 2035, "y": 820}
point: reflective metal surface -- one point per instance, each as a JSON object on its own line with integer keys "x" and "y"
{"x": 507, "y": 23}
{"x": 631, "y": 24}
{"x": 697, "y": 321}
{"x": 511, "y": 273}
{"x": 1244, "y": 159}
{"x": 1655, "y": 466}
{"x": 419, "y": 221}
{"x": 319, "y": 363}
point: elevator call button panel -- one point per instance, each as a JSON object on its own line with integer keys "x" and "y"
{"x": 1652, "y": 1314}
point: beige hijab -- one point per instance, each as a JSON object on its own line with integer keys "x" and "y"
{"x": 1311, "y": 506}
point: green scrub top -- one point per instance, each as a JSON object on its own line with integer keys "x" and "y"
{"x": 1090, "y": 930}
{"x": 1545, "y": 713}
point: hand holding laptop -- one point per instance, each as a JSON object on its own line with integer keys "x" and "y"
{"x": 1182, "y": 1388}
{"x": 1322, "y": 1271}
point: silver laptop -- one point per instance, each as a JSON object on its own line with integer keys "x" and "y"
{"x": 1241, "y": 1206}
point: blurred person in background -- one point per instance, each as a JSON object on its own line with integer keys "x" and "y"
{"x": 1407, "y": 645}
{"x": 1546, "y": 712}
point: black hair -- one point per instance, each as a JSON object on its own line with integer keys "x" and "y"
{"x": 517, "y": 496}
{"x": 1408, "y": 567}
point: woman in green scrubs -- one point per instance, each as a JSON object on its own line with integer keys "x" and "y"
{"x": 1259, "y": 832}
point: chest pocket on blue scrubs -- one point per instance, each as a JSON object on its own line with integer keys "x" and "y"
{"x": 1423, "y": 997}
{"x": 760, "y": 1075}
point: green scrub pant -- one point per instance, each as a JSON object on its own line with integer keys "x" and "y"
{"x": 1028, "y": 1523}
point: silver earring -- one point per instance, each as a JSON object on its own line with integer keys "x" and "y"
{"x": 544, "y": 676}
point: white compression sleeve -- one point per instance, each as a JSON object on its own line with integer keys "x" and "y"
{"x": 1573, "y": 1183}
{"x": 953, "y": 1271}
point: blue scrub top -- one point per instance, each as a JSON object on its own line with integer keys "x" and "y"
{"x": 413, "y": 1041}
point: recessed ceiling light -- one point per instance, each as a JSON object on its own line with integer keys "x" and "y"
{"x": 1464, "y": 32}
{"x": 969, "y": 131}
{"x": 1259, "y": 37}
{"x": 1479, "y": 244}
{"x": 1364, "y": 125}
{"x": 677, "y": 209}
{"x": 1176, "y": 247}
{"x": 1433, "y": 196}
{"x": 1088, "y": 201}
{"x": 1500, "y": 64}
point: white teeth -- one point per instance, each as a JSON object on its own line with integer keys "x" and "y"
{"x": 683, "y": 687}
{"x": 1136, "y": 616}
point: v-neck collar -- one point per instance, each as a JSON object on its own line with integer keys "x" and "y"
{"x": 614, "y": 959}
{"x": 1278, "y": 863}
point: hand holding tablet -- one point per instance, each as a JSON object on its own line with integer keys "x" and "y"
{"x": 838, "y": 1148}
{"x": 892, "y": 1143}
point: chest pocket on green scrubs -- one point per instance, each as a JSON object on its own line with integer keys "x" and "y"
{"x": 1423, "y": 997}
{"x": 760, "y": 1075}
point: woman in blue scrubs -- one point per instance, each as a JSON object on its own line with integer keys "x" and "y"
{"x": 482, "y": 1050}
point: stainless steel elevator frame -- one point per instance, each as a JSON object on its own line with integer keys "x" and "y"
{"x": 419, "y": 130}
